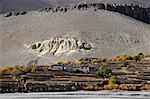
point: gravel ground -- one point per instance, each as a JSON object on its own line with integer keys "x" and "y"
{"x": 80, "y": 95}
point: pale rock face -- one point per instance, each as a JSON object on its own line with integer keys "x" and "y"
{"x": 58, "y": 46}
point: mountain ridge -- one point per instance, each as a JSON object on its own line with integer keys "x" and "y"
{"x": 30, "y": 5}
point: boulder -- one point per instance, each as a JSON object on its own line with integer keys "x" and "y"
{"x": 86, "y": 46}
{"x": 23, "y": 12}
{"x": 16, "y": 13}
{"x": 7, "y": 14}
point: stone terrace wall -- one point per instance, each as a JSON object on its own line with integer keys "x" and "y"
{"x": 135, "y": 11}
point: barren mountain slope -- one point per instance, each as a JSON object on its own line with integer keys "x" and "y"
{"x": 29, "y": 5}
{"x": 19, "y": 5}
{"x": 138, "y": 2}
{"x": 108, "y": 33}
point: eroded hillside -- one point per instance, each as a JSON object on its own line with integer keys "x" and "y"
{"x": 110, "y": 34}
{"x": 58, "y": 46}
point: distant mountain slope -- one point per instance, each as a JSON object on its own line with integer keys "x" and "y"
{"x": 17, "y": 5}
{"x": 137, "y": 2}
{"x": 108, "y": 33}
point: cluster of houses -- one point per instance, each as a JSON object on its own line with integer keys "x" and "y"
{"x": 127, "y": 67}
{"x": 71, "y": 68}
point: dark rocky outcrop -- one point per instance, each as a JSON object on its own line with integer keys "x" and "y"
{"x": 8, "y": 14}
{"x": 23, "y": 12}
{"x": 15, "y": 13}
{"x": 85, "y": 46}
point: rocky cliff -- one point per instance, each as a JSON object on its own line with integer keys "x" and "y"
{"x": 58, "y": 46}
{"x": 134, "y": 11}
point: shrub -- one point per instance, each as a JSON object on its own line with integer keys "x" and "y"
{"x": 27, "y": 69}
{"x": 121, "y": 58}
{"x": 13, "y": 70}
{"x": 113, "y": 80}
{"x": 1, "y": 70}
{"x": 110, "y": 60}
{"x": 137, "y": 58}
{"x": 6, "y": 70}
{"x": 78, "y": 62}
{"x": 90, "y": 87}
{"x": 146, "y": 87}
{"x": 130, "y": 58}
{"x": 141, "y": 54}
{"x": 95, "y": 61}
{"x": 34, "y": 68}
{"x": 147, "y": 55}
{"x": 111, "y": 86}
{"x": 99, "y": 60}
{"x": 105, "y": 60}
{"x": 17, "y": 73}
{"x": 123, "y": 87}
{"x": 103, "y": 72}
{"x": 46, "y": 65}
{"x": 64, "y": 62}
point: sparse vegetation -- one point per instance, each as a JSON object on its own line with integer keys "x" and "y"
{"x": 103, "y": 72}
{"x": 64, "y": 62}
{"x": 105, "y": 75}
{"x": 112, "y": 83}
{"x": 113, "y": 80}
{"x": 18, "y": 70}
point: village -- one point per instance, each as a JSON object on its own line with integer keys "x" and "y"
{"x": 91, "y": 74}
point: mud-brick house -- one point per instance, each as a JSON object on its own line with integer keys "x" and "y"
{"x": 57, "y": 67}
{"x": 70, "y": 69}
{"x": 77, "y": 69}
{"x": 42, "y": 68}
{"x": 84, "y": 69}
